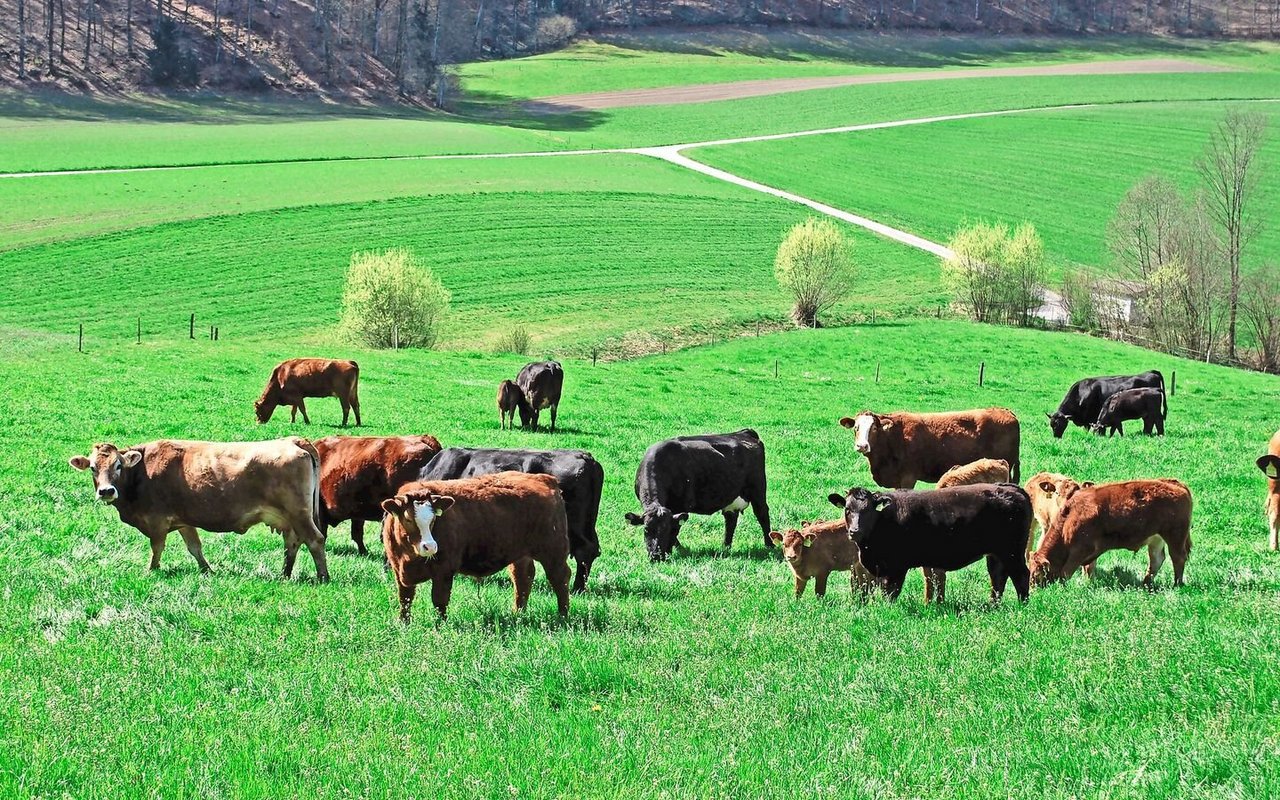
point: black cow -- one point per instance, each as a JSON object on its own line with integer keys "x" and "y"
{"x": 541, "y": 382}
{"x": 580, "y": 476}
{"x": 700, "y": 475}
{"x": 941, "y": 529}
{"x": 1147, "y": 405}
{"x": 1084, "y": 400}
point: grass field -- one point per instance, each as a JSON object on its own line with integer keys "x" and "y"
{"x": 1065, "y": 170}
{"x": 699, "y": 677}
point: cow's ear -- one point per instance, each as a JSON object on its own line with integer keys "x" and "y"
{"x": 634, "y": 519}
{"x": 836, "y": 500}
{"x": 1047, "y": 414}
{"x": 131, "y": 458}
{"x": 396, "y": 506}
{"x": 846, "y": 422}
{"x": 78, "y": 462}
{"x": 682, "y": 516}
{"x": 775, "y": 536}
{"x": 1087, "y": 484}
{"x": 882, "y": 501}
{"x": 441, "y": 503}
{"x": 1047, "y": 487}
{"x": 808, "y": 538}
{"x": 1270, "y": 466}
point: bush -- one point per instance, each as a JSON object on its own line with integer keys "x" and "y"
{"x": 814, "y": 266}
{"x": 391, "y": 299}
{"x": 554, "y": 31}
{"x": 996, "y": 274}
{"x": 516, "y": 340}
{"x": 167, "y": 62}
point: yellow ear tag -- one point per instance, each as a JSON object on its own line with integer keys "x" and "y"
{"x": 1271, "y": 471}
{"x": 808, "y": 543}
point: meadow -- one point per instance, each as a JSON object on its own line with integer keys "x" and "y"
{"x": 699, "y": 677}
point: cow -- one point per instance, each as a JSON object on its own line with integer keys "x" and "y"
{"x": 1083, "y": 401}
{"x": 819, "y": 549}
{"x": 1147, "y": 405}
{"x": 541, "y": 382}
{"x": 942, "y": 529}
{"x": 1129, "y": 515}
{"x": 435, "y": 530}
{"x": 1046, "y": 490}
{"x": 904, "y": 448}
{"x": 510, "y": 399}
{"x": 701, "y": 475}
{"x": 1270, "y": 466}
{"x": 171, "y": 485}
{"x": 295, "y": 380}
{"x": 580, "y": 476}
{"x": 984, "y": 470}
{"x": 358, "y": 472}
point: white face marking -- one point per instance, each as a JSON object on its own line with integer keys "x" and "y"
{"x": 738, "y": 504}
{"x": 862, "y": 432}
{"x": 425, "y": 515}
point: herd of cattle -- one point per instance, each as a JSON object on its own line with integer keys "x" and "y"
{"x": 474, "y": 512}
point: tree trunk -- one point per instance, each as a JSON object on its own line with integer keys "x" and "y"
{"x": 88, "y": 31}
{"x": 53, "y": 70}
{"x": 22, "y": 39}
{"x": 217, "y": 32}
{"x": 128, "y": 27}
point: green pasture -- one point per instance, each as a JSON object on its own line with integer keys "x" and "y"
{"x": 1065, "y": 171}
{"x": 699, "y": 677}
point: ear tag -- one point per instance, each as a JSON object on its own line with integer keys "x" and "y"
{"x": 808, "y": 543}
{"x": 1271, "y": 471}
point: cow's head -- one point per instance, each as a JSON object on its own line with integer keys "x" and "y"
{"x": 1058, "y": 424}
{"x": 869, "y": 431}
{"x": 661, "y": 526}
{"x": 1270, "y": 466}
{"x": 110, "y": 467}
{"x": 862, "y": 508}
{"x": 793, "y": 543}
{"x": 1042, "y": 572}
{"x": 417, "y": 514}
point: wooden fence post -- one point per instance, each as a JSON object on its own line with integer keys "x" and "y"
{"x": 982, "y": 371}
{"x": 877, "y": 372}
{"x": 80, "y": 343}
{"x": 1173, "y": 383}
{"x": 193, "y": 326}
{"x": 139, "y": 330}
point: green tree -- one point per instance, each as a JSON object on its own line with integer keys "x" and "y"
{"x": 391, "y": 299}
{"x": 815, "y": 267}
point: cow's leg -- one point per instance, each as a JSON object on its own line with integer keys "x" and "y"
{"x": 820, "y": 584}
{"x": 157, "y": 547}
{"x": 407, "y": 591}
{"x": 581, "y": 574}
{"x": 357, "y": 535}
{"x": 1273, "y": 522}
{"x": 346, "y": 409}
{"x": 730, "y": 525}
{"x": 1159, "y": 426}
{"x": 761, "y": 509}
{"x": 302, "y": 406}
{"x": 1155, "y": 559}
{"x": 892, "y": 585}
{"x": 999, "y": 577}
{"x": 293, "y": 413}
{"x": 315, "y": 543}
{"x": 557, "y": 572}
{"x": 1179, "y": 552}
{"x": 553, "y": 417}
{"x": 1120, "y": 429}
{"x": 800, "y": 584}
{"x": 441, "y": 588}
{"x": 522, "y": 580}
{"x": 355, "y": 404}
{"x": 935, "y": 584}
{"x": 291, "y": 543}
{"x": 192, "y": 540}
{"x": 1016, "y": 568}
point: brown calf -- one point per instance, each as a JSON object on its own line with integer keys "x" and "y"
{"x": 1126, "y": 515}
{"x": 435, "y": 530}
{"x": 510, "y": 399}
{"x": 358, "y": 472}
{"x": 295, "y": 380}
{"x": 1270, "y": 466}
{"x": 819, "y": 549}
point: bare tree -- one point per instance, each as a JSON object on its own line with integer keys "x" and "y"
{"x": 1260, "y": 306}
{"x": 1142, "y": 235}
{"x": 1230, "y": 171}
{"x": 22, "y": 39}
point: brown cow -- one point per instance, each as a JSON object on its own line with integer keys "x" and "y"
{"x": 1270, "y": 466}
{"x": 358, "y": 472}
{"x": 168, "y": 485}
{"x": 295, "y": 380}
{"x": 984, "y": 470}
{"x": 1129, "y": 515}
{"x": 435, "y": 530}
{"x": 820, "y": 549}
{"x": 510, "y": 399}
{"x": 904, "y": 448}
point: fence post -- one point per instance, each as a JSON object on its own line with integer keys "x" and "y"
{"x": 1173, "y": 383}
{"x": 192, "y": 332}
{"x": 139, "y": 330}
{"x": 877, "y": 372}
{"x": 775, "y": 368}
{"x": 211, "y": 333}
{"x": 982, "y": 371}
{"x": 595, "y": 351}
{"x": 217, "y": 333}
{"x": 80, "y": 343}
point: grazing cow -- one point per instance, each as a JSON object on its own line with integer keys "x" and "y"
{"x": 1126, "y": 515}
{"x": 984, "y": 470}
{"x": 170, "y": 485}
{"x": 1147, "y": 405}
{"x": 435, "y": 530}
{"x": 903, "y": 448}
{"x": 700, "y": 475}
{"x": 1270, "y": 466}
{"x": 541, "y": 382}
{"x": 358, "y": 472}
{"x": 943, "y": 529}
{"x": 295, "y": 380}
{"x": 510, "y": 398}
{"x": 1083, "y": 401}
{"x": 1046, "y": 490}
{"x": 819, "y": 549}
{"x": 580, "y": 476}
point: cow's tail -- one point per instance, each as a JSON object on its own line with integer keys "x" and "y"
{"x": 310, "y": 449}
{"x": 1164, "y": 397}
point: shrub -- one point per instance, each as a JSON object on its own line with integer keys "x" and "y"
{"x": 168, "y": 63}
{"x": 996, "y": 274}
{"x": 814, "y": 266}
{"x": 516, "y": 340}
{"x": 391, "y": 299}
{"x": 554, "y": 31}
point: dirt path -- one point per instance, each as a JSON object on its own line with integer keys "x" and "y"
{"x": 709, "y": 92}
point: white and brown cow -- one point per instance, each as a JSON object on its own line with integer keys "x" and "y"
{"x": 1270, "y": 466}
{"x": 171, "y": 485}
{"x": 904, "y": 448}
